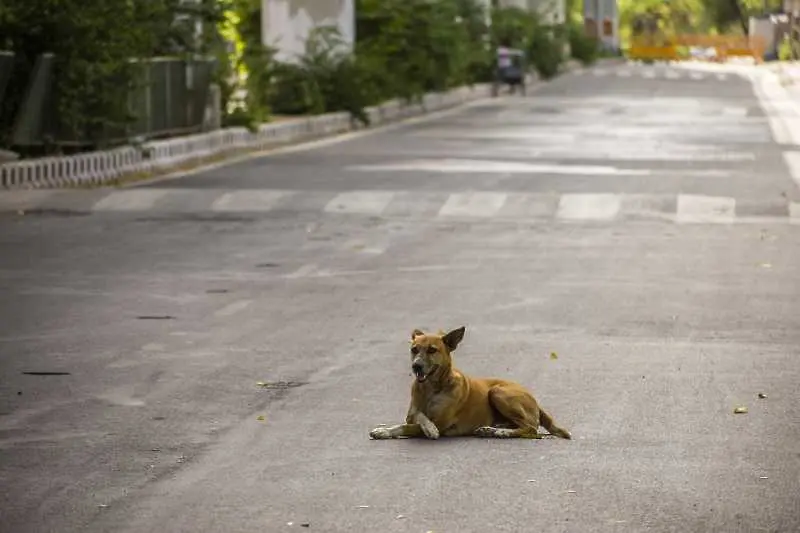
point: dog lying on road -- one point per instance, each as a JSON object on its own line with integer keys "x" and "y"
{"x": 446, "y": 402}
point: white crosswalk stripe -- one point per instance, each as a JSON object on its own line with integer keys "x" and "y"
{"x": 705, "y": 209}
{"x": 249, "y": 200}
{"x": 475, "y": 204}
{"x": 589, "y": 206}
{"x": 362, "y": 202}
{"x": 131, "y": 200}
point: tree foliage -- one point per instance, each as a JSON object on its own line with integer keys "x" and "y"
{"x": 94, "y": 43}
{"x": 694, "y": 16}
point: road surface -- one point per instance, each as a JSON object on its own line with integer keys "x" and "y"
{"x": 636, "y": 221}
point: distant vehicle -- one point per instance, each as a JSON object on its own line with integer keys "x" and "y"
{"x": 510, "y": 70}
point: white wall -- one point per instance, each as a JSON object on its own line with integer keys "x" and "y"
{"x": 285, "y": 24}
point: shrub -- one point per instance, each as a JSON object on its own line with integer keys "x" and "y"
{"x": 583, "y": 47}
{"x": 326, "y": 78}
{"x": 546, "y": 49}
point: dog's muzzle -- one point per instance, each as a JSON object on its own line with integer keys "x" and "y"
{"x": 419, "y": 371}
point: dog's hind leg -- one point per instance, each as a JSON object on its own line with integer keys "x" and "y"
{"x": 547, "y": 422}
{"x": 519, "y": 408}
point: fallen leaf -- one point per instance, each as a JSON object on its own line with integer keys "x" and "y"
{"x": 531, "y": 481}
{"x": 572, "y": 492}
{"x": 763, "y": 477}
{"x": 399, "y": 517}
{"x": 261, "y": 418}
{"x": 740, "y": 410}
{"x": 762, "y": 395}
{"x": 102, "y": 506}
{"x": 261, "y": 384}
{"x": 553, "y": 355}
{"x": 765, "y": 265}
{"x": 305, "y": 524}
{"x": 363, "y": 506}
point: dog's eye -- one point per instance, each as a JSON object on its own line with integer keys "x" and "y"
{"x": 431, "y": 349}
{"x": 415, "y": 350}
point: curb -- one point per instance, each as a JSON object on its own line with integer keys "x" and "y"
{"x": 159, "y": 158}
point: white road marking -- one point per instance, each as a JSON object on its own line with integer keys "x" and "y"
{"x": 794, "y": 212}
{"x": 722, "y": 77}
{"x": 649, "y": 74}
{"x": 697, "y": 75}
{"x": 363, "y": 202}
{"x": 589, "y": 206}
{"x": 672, "y": 75}
{"x": 338, "y": 273}
{"x": 792, "y": 160}
{"x": 734, "y": 111}
{"x": 476, "y": 204}
{"x": 705, "y": 209}
{"x": 153, "y": 347}
{"x": 425, "y": 268}
{"x": 131, "y": 200}
{"x": 303, "y": 271}
{"x": 362, "y": 247}
{"x": 624, "y": 73}
{"x": 249, "y": 200}
{"x": 233, "y": 308}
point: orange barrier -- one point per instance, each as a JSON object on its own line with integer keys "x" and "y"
{"x": 669, "y": 48}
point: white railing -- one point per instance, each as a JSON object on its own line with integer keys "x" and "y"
{"x": 103, "y": 166}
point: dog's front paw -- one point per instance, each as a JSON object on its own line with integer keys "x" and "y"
{"x": 380, "y": 433}
{"x": 429, "y": 429}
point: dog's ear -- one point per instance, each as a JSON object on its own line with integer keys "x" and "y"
{"x": 452, "y": 339}
{"x": 416, "y": 333}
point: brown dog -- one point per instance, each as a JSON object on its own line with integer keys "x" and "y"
{"x": 449, "y": 403}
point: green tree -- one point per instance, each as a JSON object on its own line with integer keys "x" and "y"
{"x": 94, "y": 43}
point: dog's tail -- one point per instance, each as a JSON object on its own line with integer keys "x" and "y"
{"x": 547, "y": 423}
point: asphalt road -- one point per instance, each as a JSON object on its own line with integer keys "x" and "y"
{"x": 637, "y": 221}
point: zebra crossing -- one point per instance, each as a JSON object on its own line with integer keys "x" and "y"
{"x": 418, "y": 205}
{"x": 661, "y": 72}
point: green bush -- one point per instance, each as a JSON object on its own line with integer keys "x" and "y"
{"x": 326, "y": 79}
{"x": 583, "y": 47}
{"x": 405, "y": 48}
{"x": 93, "y": 44}
{"x": 546, "y": 50}
{"x": 785, "y": 49}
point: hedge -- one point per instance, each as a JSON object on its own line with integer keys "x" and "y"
{"x": 406, "y": 48}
